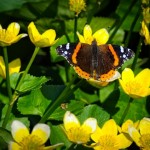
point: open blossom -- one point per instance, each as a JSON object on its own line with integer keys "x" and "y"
{"x": 10, "y": 35}
{"x": 101, "y": 36}
{"x": 135, "y": 86}
{"x": 108, "y": 137}
{"x": 141, "y": 136}
{"x": 41, "y": 40}
{"x": 26, "y": 141}
{"x": 14, "y": 67}
{"x": 77, "y": 133}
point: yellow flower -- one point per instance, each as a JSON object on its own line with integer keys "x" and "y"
{"x": 136, "y": 86}
{"x": 108, "y": 138}
{"x": 26, "y": 141}
{"x": 14, "y": 67}
{"x": 77, "y": 6}
{"x": 10, "y": 36}
{"x": 142, "y": 136}
{"x": 101, "y": 36}
{"x": 145, "y": 32}
{"x": 77, "y": 133}
{"x": 125, "y": 125}
{"x": 41, "y": 40}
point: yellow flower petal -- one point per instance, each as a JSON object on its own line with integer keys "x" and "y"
{"x": 135, "y": 87}
{"x": 125, "y": 125}
{"x": 13, "y": 28}
{"x": 19, "y": 131}
{"x": 13, "y": 146}
{"x": 110, "y": 127}
{"x": 33, "y": 33}
{"x": 90, "y": 125}
{"x": 51, "y": 34}
{"x": 135, "y": 135}
{"x": 44, "y": 40}
{"x": 42, "y": 131}
{"x": 9, "y": 36}
{"x": 96, "y": 135}
{"x": 87, "y": 32}
{"x": 144, "y": 126}
{"x": 101, "y": 36}
{"x": 70, "y": 121}
{"x": 2, "y": 67}
{"x": 14, "y": 66}
{"x": 81, "y": 38}
{"x": 145, "y": 32}
{"x": 127, "y": 75}
{"x": 124, "y": 140}
{"x": 143, "y": 77}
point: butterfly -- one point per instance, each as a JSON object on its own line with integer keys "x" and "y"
{"x": 92, "y": 61}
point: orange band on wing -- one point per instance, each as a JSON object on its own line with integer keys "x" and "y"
{"x": 76, "y": 50}
{"x": 116, "y": 62}
{"x": 107, "y": 76}
{"x": 81, "y": 73}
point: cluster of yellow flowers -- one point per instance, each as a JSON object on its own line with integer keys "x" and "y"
{"x": 135, "y": 87}
{"x": 10, "y": 36}
{"x": 109, "y": 136}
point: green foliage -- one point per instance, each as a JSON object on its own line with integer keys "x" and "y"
{"x": 51, "y": 87}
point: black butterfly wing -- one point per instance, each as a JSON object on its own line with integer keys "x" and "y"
{"x": 110, "y": 58}
{"x": 78, "y": 55}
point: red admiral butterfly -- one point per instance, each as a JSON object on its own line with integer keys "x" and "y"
{"x": 98, "y": 62}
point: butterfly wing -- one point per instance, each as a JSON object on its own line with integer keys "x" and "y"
{"x": 110, "y": 58}
{"x": 78, "y": 55}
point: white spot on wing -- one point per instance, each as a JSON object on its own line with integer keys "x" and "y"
{"x": 121, "y": 49}
{"x": 68, "y": 46}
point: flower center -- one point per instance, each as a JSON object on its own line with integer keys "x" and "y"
{"x": 78, "y": 135}
{"x": 145, "y": 141}
{"x": 107, "y": 142}
{"x": 135, "y": 88}
{"x": 31, "y": 142}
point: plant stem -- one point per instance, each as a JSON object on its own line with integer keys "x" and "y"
{"x": 75, "y": 27}
{"x": 61, "y": 98}
{"x": 126, "y": 111}
{"x": 15, "y": 94}
{"x": 8, "y": 86}
{"x": 137, "y": 54}
{"x": 7, "y": 73}
{"x": 28, "y": 67}
{"x": 132, "y": 26}
{"x": 122, "y": 20}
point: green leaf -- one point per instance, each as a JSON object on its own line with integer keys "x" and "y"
{"x": 86, "y": 97}
{"x": 136, "y": 111}
{"x": 122, "y": 8}
{"x": 106, "y": 91}
{"x": 13, "y": 116}
{"x": 37, "y": 101}
{"x": 73, "y": 106}
{"x": 96, "y": 24}
{"x": 119, "y": 37}
{"x": 7, "y": 5}
{"x": 29, "y": 83}
{"x": 58, "y": 136}
{"x": 34, "y": 103}
{"x": 96, "y": 112}
{"x": 6, "y": 135}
